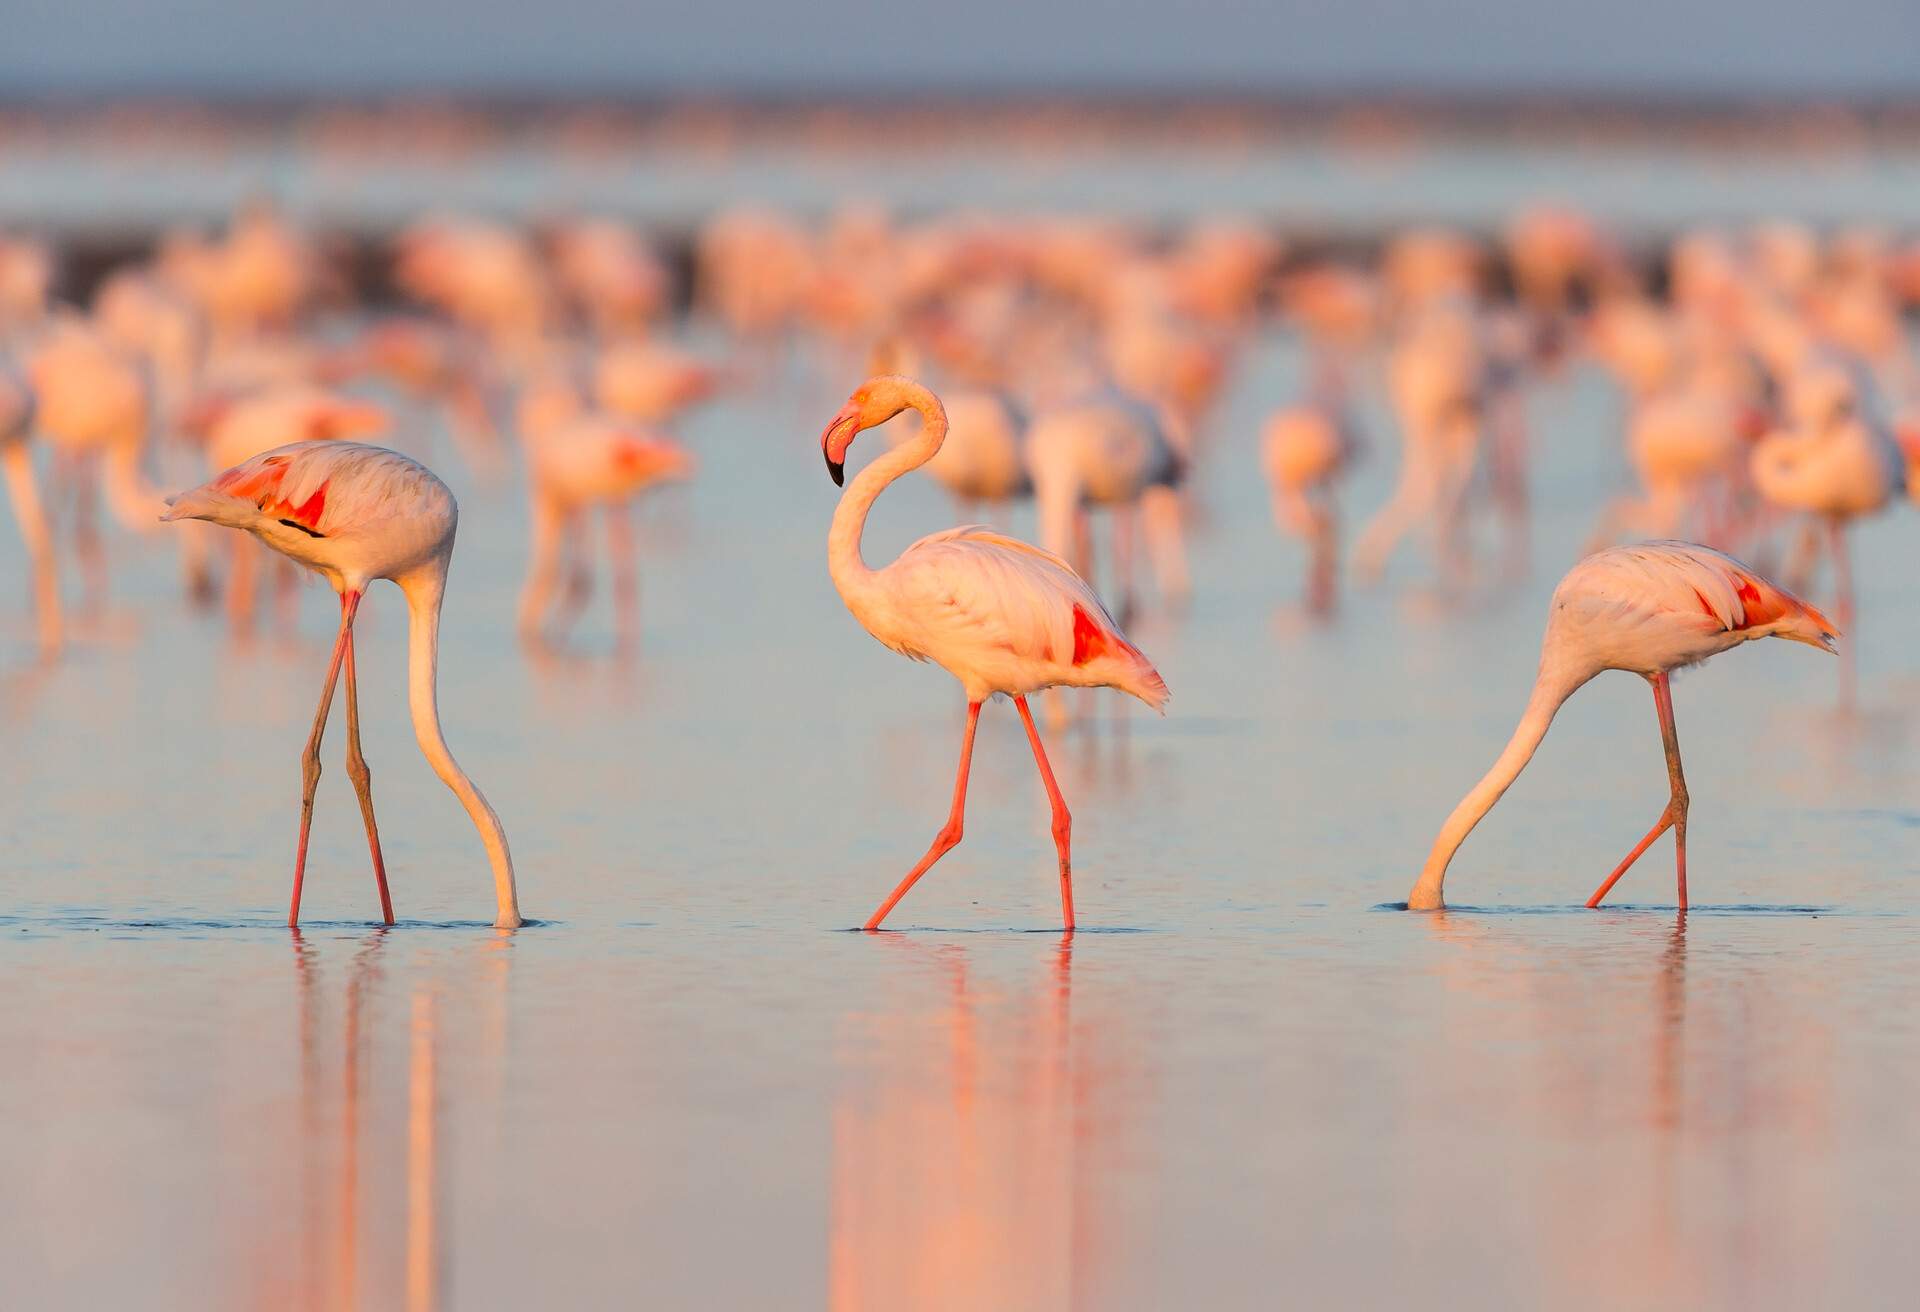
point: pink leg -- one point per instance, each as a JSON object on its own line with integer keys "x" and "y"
{"x": 626, "y": 576}
{"x": 1843, "y": 598}
{"x": 363, "y": 782}
{"x": 310, "y": 759}
{"x": 1062, "y": 821}
{"x": 949, "y": 835}
{"x": 1676, "y": 813}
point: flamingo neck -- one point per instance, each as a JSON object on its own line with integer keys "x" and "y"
{"x": 844, "y": 562}
{"x": 424, "y": 589}
{"x": 1551, "y": 689}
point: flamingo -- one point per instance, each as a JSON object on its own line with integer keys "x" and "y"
{"x": 91, "y": 410}
{"x": 999, "y": 615}
{"x": 1304, "y": 449}
{"x": 1834, "y": 464}
{"x": 353, "y": 513}
{"x": 577, "y": 459}
{"x": 1648, "y": 609}
{"x": 1437, "y": 378}
{"x": 1110, "y": 449}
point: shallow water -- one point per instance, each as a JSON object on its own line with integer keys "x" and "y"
{"x": 1248, "y": 1080}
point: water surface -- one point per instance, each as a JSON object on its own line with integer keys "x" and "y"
{"x": 1248, "y": 1080}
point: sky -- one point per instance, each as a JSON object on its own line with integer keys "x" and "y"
{"x": 1676, "y": 48}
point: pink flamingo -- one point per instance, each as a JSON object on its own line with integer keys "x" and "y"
{"x": 999, "y": 615}
{"x": 578, "y": 459}
{"x": 354, "y": 513}
{"x": 1648, "y": 609}
{"x": 1304, "y": 450}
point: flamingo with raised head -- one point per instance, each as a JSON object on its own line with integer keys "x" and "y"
{"x": 354, "y": 513}
{"x": 999, "y": 615}
{"x": 1649, "y": 609}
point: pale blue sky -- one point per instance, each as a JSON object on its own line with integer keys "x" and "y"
{"x": 1673, "y": 47}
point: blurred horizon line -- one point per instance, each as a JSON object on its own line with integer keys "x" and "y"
{"x": 1598, "y": 96}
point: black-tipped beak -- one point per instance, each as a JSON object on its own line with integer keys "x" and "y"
{"x": 835, "y": 441}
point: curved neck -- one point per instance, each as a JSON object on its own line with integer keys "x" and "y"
{"x": 1550, "y": 691}
{"x": 424, "y": 589}
{"x": 844, "y": 562}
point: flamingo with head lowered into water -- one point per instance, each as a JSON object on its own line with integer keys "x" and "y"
{"x": 1649, "y": 609}
{"x": 354, "y": 513}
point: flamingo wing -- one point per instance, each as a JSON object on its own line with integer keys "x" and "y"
{"x": 972, "y": 586}
{"x": 1689, "y": 580}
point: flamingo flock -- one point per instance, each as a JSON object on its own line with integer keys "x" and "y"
{"x": 1082, "y": 373}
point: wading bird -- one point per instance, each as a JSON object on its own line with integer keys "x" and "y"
{"x": 999, "y": 615}
{"x": 354, "y": 513}
{"x": 1649, "y": 609}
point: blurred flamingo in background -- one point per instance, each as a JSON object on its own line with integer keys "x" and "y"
{"x": 578, "y": 459}
{"x": 1650, "y": 610}
{"x": 1304, "y": 449}
{"x": 1836, "y": 466}
{"x": 352, "y": 514}
{"x": 91, "y": 409}
{"x": 999, "y": 615}
{"x": 1683, "y": 445}
{"x": 1113, "y": 451}
{"x": 1435, "y": 377}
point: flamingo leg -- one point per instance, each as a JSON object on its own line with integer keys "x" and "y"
{"x": 1062, "y": 820}
{"x": 626, "y": 576}
{"x": 1843, "y": 602}
{"x": 16, "y": 461}
{"x": 949, "y": 836}
{"x": 543, "y": 570}
{"x": 363, "y": 781}
{"x": 1123, "y": 541}
{"x": 88, "y": 542}
{"x": 1324, "y": 554}
{"x": 1675, "y": 816}
{"x": 244, "y": 557}
{"x": 310, "y": 759}
{"x": 579, "y": 586}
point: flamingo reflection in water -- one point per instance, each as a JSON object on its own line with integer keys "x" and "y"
{"x": 966, "y": 1167}
{"x": 337, "y": 1206}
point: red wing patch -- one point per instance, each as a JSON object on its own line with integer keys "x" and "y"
{"x": 1090, "y": 641}
{"x": 308, "y": 512}
{"x": 255, "y": 484}
{"x": 1761, "y": 608}
{"x": 262, "y": 487}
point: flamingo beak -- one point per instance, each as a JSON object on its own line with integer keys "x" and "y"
{"x": 838, "y": 437}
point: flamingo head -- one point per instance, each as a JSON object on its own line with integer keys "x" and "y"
{"x": 872, "y": 404}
